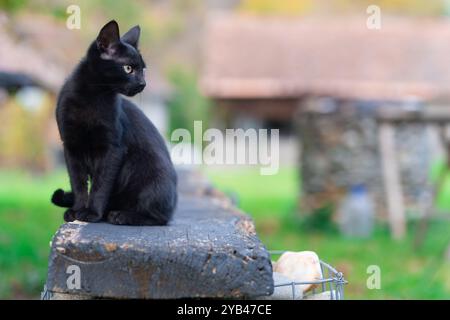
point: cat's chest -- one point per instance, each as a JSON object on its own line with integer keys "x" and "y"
{"x": 88, "y": 130}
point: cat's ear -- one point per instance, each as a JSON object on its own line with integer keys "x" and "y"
{"x": 107, "y": 37}
{"x": 132, "y": 36}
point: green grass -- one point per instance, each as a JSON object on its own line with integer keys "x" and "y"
{"x": 27, "y": 223}
{"x": 405, "y": 272}
{"x": 271, "y": 196}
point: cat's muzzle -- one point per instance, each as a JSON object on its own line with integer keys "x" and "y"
{"x": 135, "y": 89}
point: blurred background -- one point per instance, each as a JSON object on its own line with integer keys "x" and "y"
{"x": 363, "y": 115}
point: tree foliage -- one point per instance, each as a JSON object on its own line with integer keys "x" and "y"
{"x": 300, "y": 7}
{"x": 187, "y": 103}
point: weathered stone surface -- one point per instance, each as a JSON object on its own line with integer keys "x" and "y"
{"x": 340, "y": 148}
{"x": 193, "y": 182}
{"x": 210, "y": 249}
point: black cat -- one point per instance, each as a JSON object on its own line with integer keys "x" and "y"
{"x": 109, "y": 144}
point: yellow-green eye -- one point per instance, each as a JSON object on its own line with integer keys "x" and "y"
{"x": 127, "y": 68}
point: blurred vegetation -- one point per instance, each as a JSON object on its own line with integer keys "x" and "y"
{"x": 23, "y": 136}
{"x": 274, "y": 7}
{"x": 187, "y": 103}
{"x": 27, "y": 222}
{"x": 302, "y": 7}
{"x": 162, "y": 24}
{"x": 13, "y": 5}
{"x": 439, "y": 170}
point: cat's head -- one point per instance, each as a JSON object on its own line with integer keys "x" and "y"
{"x": 118, "y": 60}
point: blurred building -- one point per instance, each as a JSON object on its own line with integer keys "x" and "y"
{"x": 327, "y": 79}
{"x": 262, "y": 67}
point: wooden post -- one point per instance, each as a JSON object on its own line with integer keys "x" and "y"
{"x": 392, "y": 180}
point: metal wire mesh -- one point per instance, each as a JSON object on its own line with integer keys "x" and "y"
{"x": 332, "y": 281}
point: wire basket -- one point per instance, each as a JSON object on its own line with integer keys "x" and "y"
{"x": 332, "y": 281}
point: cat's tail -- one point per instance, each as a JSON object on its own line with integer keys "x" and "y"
{"x": 63, "y": 199}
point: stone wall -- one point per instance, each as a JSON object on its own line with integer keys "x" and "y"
{"x": 340, "y": 148}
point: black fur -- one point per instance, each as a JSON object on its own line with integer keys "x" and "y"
{"x": 63, "y": 199}
{"x": 109, "y": 143}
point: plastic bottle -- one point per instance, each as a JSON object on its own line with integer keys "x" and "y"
{"x": 357, "y": 213}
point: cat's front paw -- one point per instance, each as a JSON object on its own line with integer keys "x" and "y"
{"x": 117, "y": 217}
{"x": 70, "y": 215}
{"x": 87, "y": 215}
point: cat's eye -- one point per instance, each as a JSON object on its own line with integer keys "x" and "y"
{"x": 128, "y": 68}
